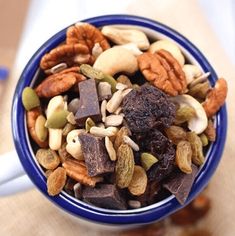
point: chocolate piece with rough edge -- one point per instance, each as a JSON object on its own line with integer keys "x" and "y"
{"x": 105, "y": 196}
{"x": 95, "y": 154}
{"x": 89, "y": 102}
{"x": 180, "y": 184}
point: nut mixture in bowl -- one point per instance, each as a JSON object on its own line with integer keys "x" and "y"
{"x": 120, "y": 121}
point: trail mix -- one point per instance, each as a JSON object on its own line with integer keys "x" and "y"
{"x": 119, "y": 121}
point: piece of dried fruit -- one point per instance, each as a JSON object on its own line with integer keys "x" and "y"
{"x": 72, "y": 54}
{"x": 210, "y": 131}
{"x": 77, "y": 170}
{"x": 216, "y": 97}
{"x": 56, "y": 181}
{"x": 146, "y": 108}
{"x": 184, "y": 114}
{"x": 200, "y": 90}
{"x": 40, "y": 129}
{"x": 147, "y": 160}
{"x": 88, "y": 124}
{"x": 124, "y": 80}
{"x": 138, "y": 182}
{"x": 119, "y": 137}
{"x": 176, "y": 134}
{"x": 204, "y": 139}
{"x": 47, "y": 158}
{"x": 31, "y": 117}
{"x": 163, "y": 71}
{"x": 197, "y": 150}
{"x": 30, "y": 99}
{"x": 124, "y": 166}
{"x": 86, "y": 34}
{"x": 184, "y": 157}
{"x": 57, "y": 119}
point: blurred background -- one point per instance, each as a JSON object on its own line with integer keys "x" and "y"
{"x": 26, "y": 24}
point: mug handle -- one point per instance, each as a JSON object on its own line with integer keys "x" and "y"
{"x": 13, "y": 178}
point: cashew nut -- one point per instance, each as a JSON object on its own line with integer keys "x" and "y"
{"x": 123, "y": 36}
{"x": 199, "y": 123}
{"x": 73, "y": 146}
{"x": 191, "y": 72}
{"x": 116, "y": 59}
{"x": 170, "y": 47}
{"x": 133, "y": 48}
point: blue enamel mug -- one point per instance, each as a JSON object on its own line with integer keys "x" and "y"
{"x": 14, "y": 175}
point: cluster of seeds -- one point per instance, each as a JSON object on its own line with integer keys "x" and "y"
{"x": 120, "y": 127}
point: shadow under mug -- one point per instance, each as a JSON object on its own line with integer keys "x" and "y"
{"x": 14, "y": 178}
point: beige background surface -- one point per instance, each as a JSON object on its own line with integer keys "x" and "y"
{"x": 30, "y": 213}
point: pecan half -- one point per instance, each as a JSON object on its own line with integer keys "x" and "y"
{"x": 59, "y": 83}
{"x": 216, "y": 97}
{"x": 72, "y": 54}
{"x": 86, "y": 34}
{"x": 163, "y": 71}
{"x": 77, "y": 170}
{"x": 31, "y": 117}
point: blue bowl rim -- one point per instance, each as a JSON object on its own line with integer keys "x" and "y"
{"x": 19, "y": 127}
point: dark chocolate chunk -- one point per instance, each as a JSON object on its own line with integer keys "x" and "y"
{"x": 105, "y": 196}
{"x": 180, "y": 184}
{"x": 95, "y": 154}
{"x": 146, "y": 108}
{"x": 89, "y": 103}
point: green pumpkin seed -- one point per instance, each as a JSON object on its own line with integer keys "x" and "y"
{"x": 88, "y": 124}
{"x": 30, "y": 99}
{"x": 147, "y": 160}
{"x": 40, "y": 129}
{"x": 57, "y": 119}
{"x": 109, "y": 79}
{"x": 93, "y": 73}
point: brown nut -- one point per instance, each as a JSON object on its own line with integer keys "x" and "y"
{"x": 215, "y": 98}
{"x": 56, "y": 181}
{"x": 31, "y": 117}
{"x": 210, "y": 131}
{"x": 86, "y": 34}
{"x": 58, "y": 83}
{"x": 73, "y": 54}
{"x": 78, "y": 171}
{"x": 163, "y": 70}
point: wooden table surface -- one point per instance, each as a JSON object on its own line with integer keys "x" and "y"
{"x": 29, "y": 213}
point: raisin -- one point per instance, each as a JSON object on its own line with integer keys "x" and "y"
{"x": 146, "y": 108}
